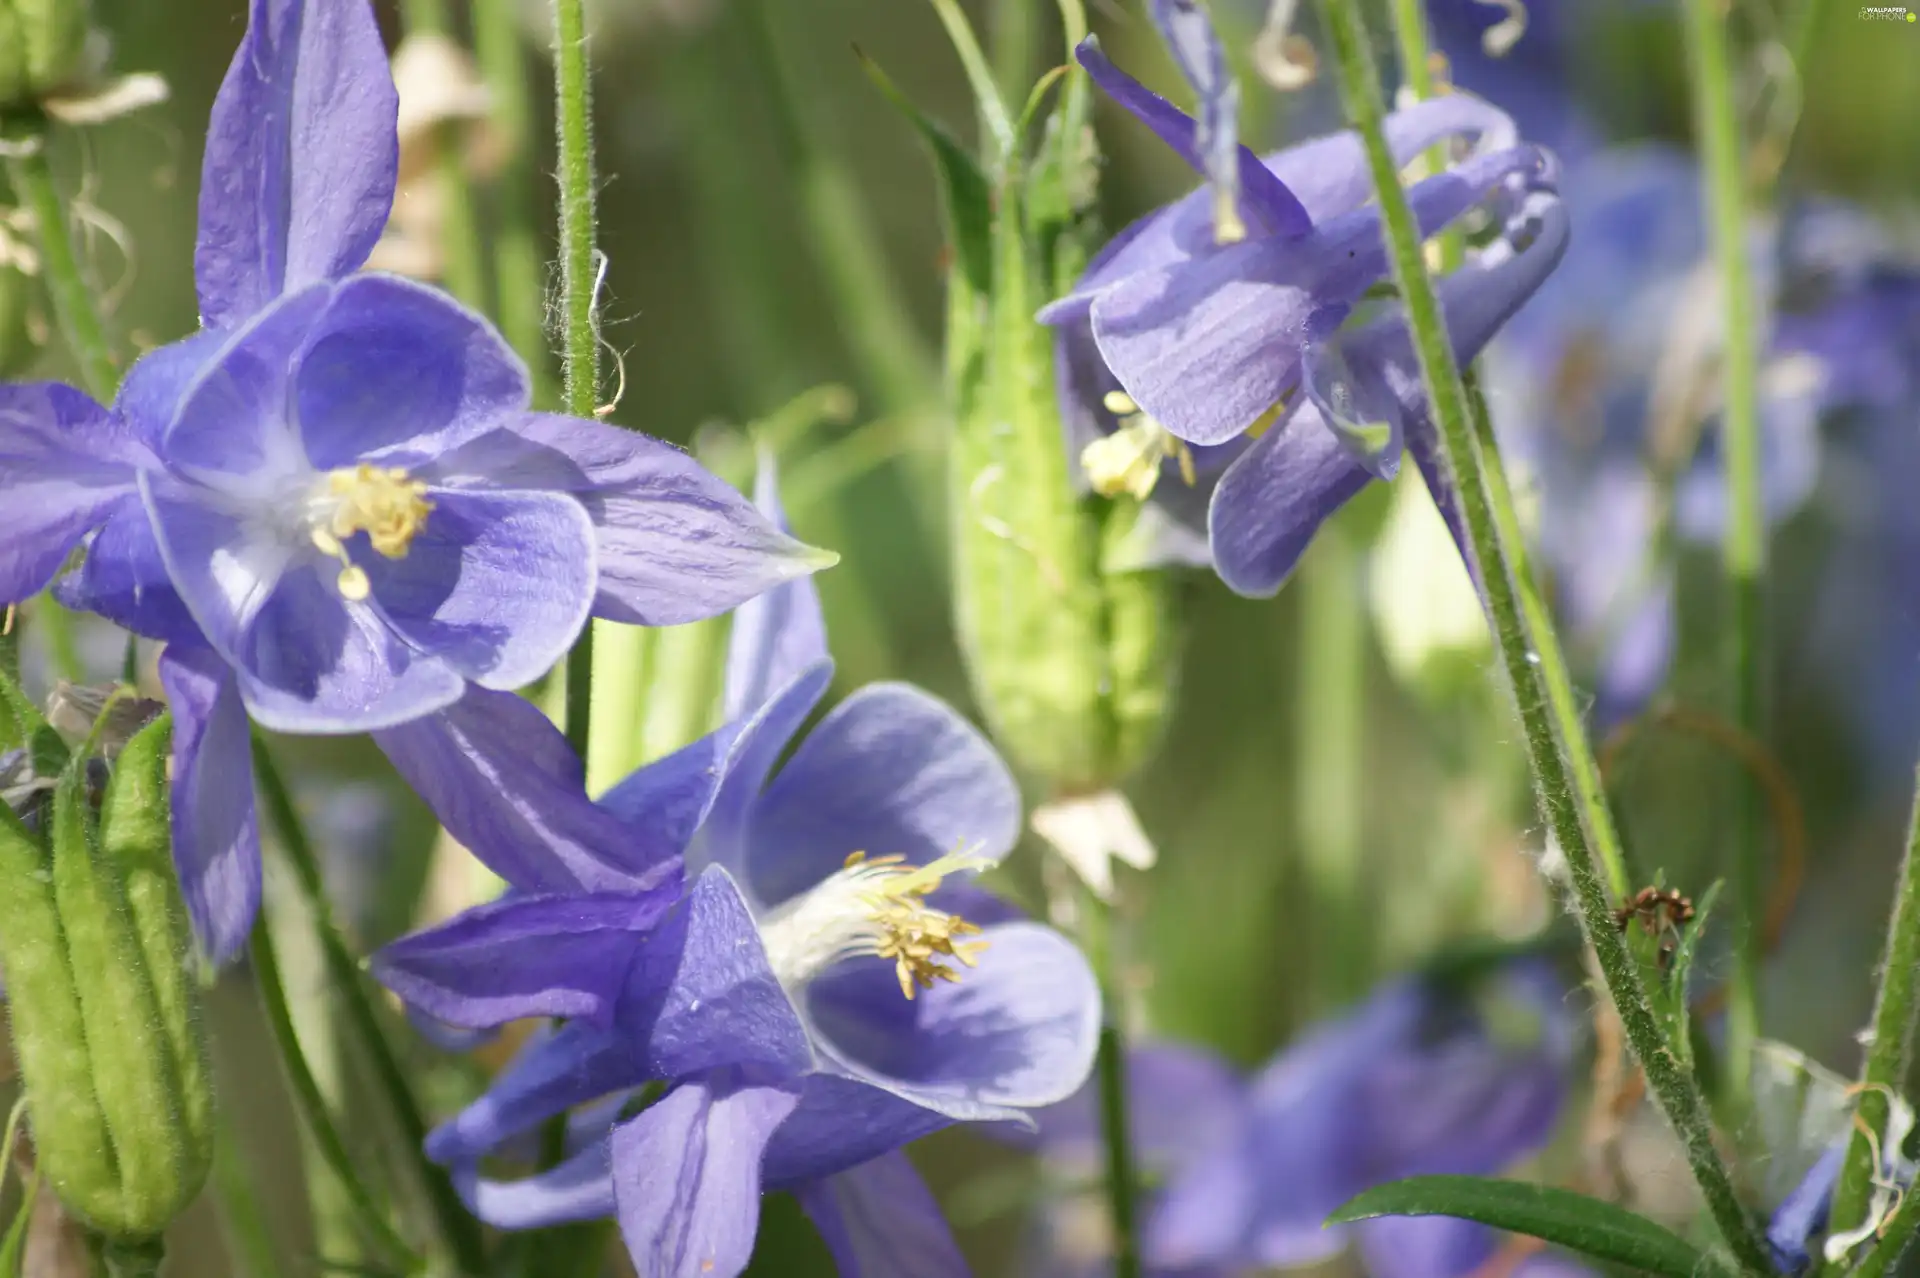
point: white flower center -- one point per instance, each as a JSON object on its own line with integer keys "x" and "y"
{"x": 387, "y": 504}
{"x": 874, "y": 909}
{"x": 1128, "y": 461}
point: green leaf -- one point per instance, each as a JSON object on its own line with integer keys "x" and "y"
{"x": 963, "y": 186}
{"x": 19, "y": 717}
{"x": 1670, "y": 997}
{"x": 1560, "y": 1216}
{"x": 13, "y": 1248}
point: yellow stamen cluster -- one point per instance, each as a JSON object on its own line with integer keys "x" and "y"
{"x": 386, "y": 503}
{"x": 917, "y": 937}
{"x": 1128, "y": 461}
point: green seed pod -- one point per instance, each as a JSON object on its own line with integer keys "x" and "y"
{"x": 94, "y": 940}
{"x": 43, "y": 45}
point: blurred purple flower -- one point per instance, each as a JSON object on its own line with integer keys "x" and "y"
{"x": 333, "y": 501}
{"x": 813, "y": 989}
{"x": 1204, "y": 346}
{"x": 1419, "y": 1080}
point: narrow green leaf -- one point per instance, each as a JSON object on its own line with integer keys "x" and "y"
{"x": 1560, "y": 1216}
{"x": 13, "y": 1248}
{"x": 19, "y": 717}
{"x": 964, "y": 190}
{"x": 1670, "y": 999}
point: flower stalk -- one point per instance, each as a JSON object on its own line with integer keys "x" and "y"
{"x": 1556, "y": 745}
{"x": 1744, "y": 543}
{"x": 25, "y": 149}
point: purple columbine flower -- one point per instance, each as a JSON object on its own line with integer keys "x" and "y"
{"x": 1205, "y": 358}
{"x": 816, "y": 988}
{"x": 334, "y": 502}
{"x": 1419, "y": 1080}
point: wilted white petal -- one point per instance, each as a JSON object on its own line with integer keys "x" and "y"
{"x": 1091, "y": 832}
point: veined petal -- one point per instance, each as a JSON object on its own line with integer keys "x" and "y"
{"x": 301, "y": 156}
{"x": 124, "y": 579}
{"x": 581, "y": 1188}
{"x": 842, "y": 1122}
{"x": 676, "y": 543}
{"x": 235, "y": 422}
{"x": 665, "y": 801}
{"x": 396, "y": 373}
{"x": 880, "y": 1221}
{"x": 1330, "y": 174}
{"x": 891, "y": 771}
{"x": 1273, "y": 500}
{"x": 65, "y": 463}
{"x": 687, "y": 1177}
{"x": 776, "y": 634}
{"x": 504, "y": 782}
{"x": 760, "y": 742}
{"x": 1265, "y": 202}
{"x": 560, "y": 956}
{"x": 1016, "y": 1032}
{"x": 216, "y": 831}
{"x": 1196, "y": 49}
{"x": 576, "y": 1064}
{"x": 153, "y": 388}
{"x": 496, "y": 585}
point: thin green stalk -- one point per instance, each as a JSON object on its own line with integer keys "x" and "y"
{"x": 1329, "y": 707}
{"x": 1122, "y": 1180}
{"x": 1525, "y": 651}
{"x": 307, "y": 1098}
{"x": 1890, "y": 1042}
{"x": 457, "y": 1227}
{"x": 519, "y": 268}
{"x": 579, "y": 282}
{"x": 1410, "y": 35}
{"x": 1744, "y": 549}
{"x": 25, "y": 149}
{"x": 1010, "y": 35}
{"x": 462, "y": 268}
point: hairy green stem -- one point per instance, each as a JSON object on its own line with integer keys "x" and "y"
{"x": 1890, "y": 1040}
{"x": 311, "y": 1104}
{"x": 1744, "y": 549}
{"x": 1410, "y": 37}
{"x": 462, "y": 266}
{"x": 519, "y": 267}
{"x": 1574, "y": 816}
{"x": 457, "y": 1227}
{"x": 579, "y": 284}
{"x": 25, "y": 148}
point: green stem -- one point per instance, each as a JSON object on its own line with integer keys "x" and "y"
{"x": 1010, "y": 34}
{"x": 1329, "y": 706}
{"x": 462, "y": 270}
{"x": 1556, "y": 756}
{"x": 1100, "y": 938}
{"x": 519, "y": 270}
{"x": 312, "y": 1105}
{"x": 126, "y": 1259}
{"x": 1890, "y": 1043}
{"x": 457, "y": 1227}
{"x": 579, "y": 322}
{"x": 73, "y": 296}
{"x": 1410, "y": 37}
{"x": 1744, "y": 551}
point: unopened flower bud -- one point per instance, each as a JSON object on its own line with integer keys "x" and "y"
{"x": 43, "y": 46}
{"x": 94, "y": 940}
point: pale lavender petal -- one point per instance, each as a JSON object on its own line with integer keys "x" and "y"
{"x": 124, "y": 579}
{"x": 238, "y": 416}
{"x": 891, "y": 771}
{"x": 1425, "y": 1246}
{"x": 216, "y": 830}
{"x": 496, "y": 585}
{"x": 151, "y": 392}
{"x": 880, "y": 1221}
{"x": 65, "y": 463}
{"x": 525, "y": 956}
{"x": 504, "y": 782}
{"x": 396, "y": 373}
{"x": 1196, "y": 49}
{"x": 687, "y": 1177}
{"x": 841, "y": 1123}
{"x": 574, "y": 1065}
{"x": 1273, "y": 500}
{"x": 301, "y": 156}
{"x": 1330, "y": 175}
{"x": 667, "y": 800}
{"x": 775, "y": 635}
{"x": 1182, "y": 1101}
{"x": 1265, "y": 202}
{"x": 676, "y": 543}
{"x": 581, "y": 1188}
{"x": 760, "y": 742}
{"x": 1016, "y": 1032}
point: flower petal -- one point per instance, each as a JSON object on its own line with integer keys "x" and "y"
{"x": 575, "y": 1064}
{"x": 1425, "y": 1246}
{"x": 777, "y": 634}
{"x": 505, "y": 783}
{"x": 65, "y": 463}
{"x": 581, "y": 1188}
{"x": 760, "y": 741}
{"x": 665, "y": 801}
{"x": 216, "y": 830}
{"x": 495, "y": 585}
{"x": 1265, "y": 202}
{"x": 880, "y": 1221}
{"x": 841, "y": 1123}
{"x": 1182, "y": 1101}
{"x": 891, "y": 771}
{"x": 676, "y": 543}
{"x": 124, "y": 579}
{"x": 1273, "y": 500}
{"x": 397, "y": 373}
{"x": 153, "y": 388}
{"x": 686, "y": 1176}
{"x": 1330, "y": 175}
{"x": 561, "y": 956}
{"x": 238, "y": 417}
{"x": 1018, "y": 1031}
{"x": 301, "y": 156}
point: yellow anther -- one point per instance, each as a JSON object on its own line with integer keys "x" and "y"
{"x": 915, "y": 936}
{"x": 1128, "y": 461}
{"x": 1228, "y": 228}
{"x": 353, "y": 583}
{"x": 388, "y": 505}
